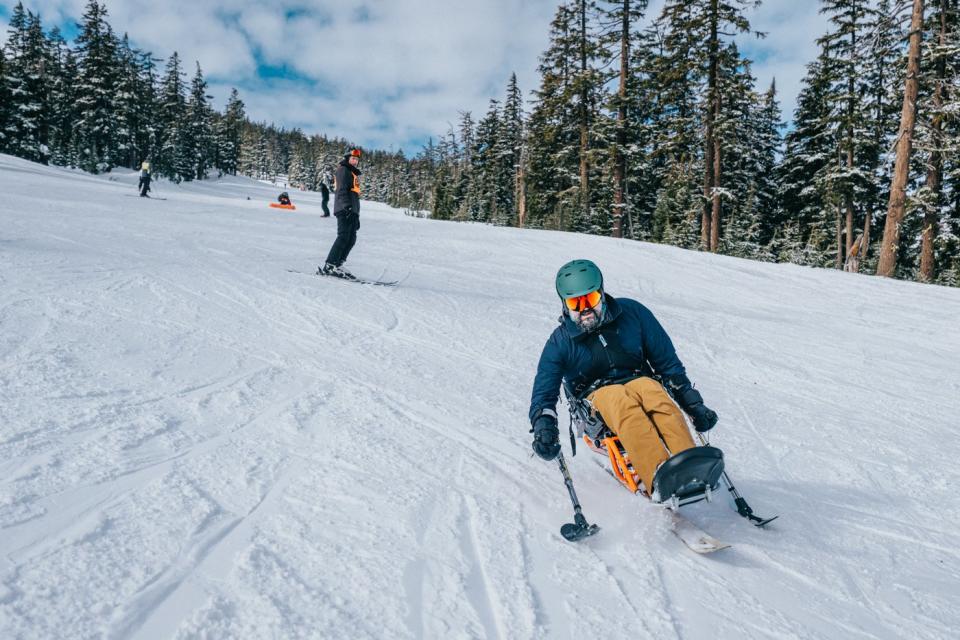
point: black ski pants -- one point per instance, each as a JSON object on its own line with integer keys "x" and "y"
{"x": 348, "y": 223}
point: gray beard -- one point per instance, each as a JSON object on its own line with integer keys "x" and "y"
{"x": 592, "y": 321}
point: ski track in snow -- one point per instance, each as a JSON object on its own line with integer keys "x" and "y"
{"x": 196, "y": 443}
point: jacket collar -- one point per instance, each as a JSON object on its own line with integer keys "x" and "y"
{"x": 612, "y": 313}
{"x": 346, "y": 163}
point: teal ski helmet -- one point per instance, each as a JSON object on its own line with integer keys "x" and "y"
{"x": 578, "y": 278}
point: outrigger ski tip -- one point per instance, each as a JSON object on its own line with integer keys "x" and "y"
{"x": 578, "y": 529}
{"x": 744, "y": 510}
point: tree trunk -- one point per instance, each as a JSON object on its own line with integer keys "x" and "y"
{"x": 934, "y": 183}
{"x": 619, "y": 157}
{"x": 901, "y": 170}
{"x": 865, "y": 247}
{"x": 709, "y": 177}
{"x": 715, "y": 210}
{"x": 584, "y": 124}
{"x": 521, "y": 187}
{"x": 851, "y": 110}
{"x": 840, "y": 253}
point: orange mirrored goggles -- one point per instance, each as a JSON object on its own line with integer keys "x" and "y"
{"x": 584, "y": 302}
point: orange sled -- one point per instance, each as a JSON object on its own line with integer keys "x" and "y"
{"x": 277, "y": 205}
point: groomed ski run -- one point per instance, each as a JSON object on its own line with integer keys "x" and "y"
{"x": 196, "y": 443}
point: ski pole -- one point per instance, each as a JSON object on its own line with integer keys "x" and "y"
{"x": 742, "y": 507}
{"x": 579, "y": 528}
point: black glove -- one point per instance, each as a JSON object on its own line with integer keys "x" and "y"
{"x": 703, "y": 418}
{"x": 546, "y": 436}
{"x": 691, "y": 401}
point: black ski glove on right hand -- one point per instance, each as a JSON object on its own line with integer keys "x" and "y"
{"x": 691, "y": 402}
{"x": 703, "y": 418}
{"x": 546, "y": 436}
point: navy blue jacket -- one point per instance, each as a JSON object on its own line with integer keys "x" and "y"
{"x": 567, "y": 357}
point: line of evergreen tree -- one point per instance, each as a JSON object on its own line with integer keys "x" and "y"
{"x": 647, "y": 127}
{"x": 101, "y": 103}
{"x": 682, "y": 147}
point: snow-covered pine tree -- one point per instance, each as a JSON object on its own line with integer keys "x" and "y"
{"x": 650, "y": 150}
{"x": 510, "y": 152}
{"x": 563, "y": 124}
{"x": 198, "y": 150}
{"x": 882, "y": 64}
{"x": 63, "y": 113}
{"x": 462, "y": 157}
{"x": 810, "y": 148}
{"x": 297, "y": 171}
{"x": 947, "y": 250}
{"x": 749, "y": 126}
{"x": 126, "y": 102}
{"x": 95, "y": 128}
{"x": 847, "y": 176}
{"x": 588, "y": 93}
{"x": 702, "y": 29}
{"x": 934, "y": 140}
{"x": 6, "y": 102}
{"x": 229, "y": 132}
{"x": 768, "y": 147}
{"x": 482, "y": 202}
{"x": 28, "y": 71}
{"x": 623, "y": 17}
{"x": 172, "y": 109}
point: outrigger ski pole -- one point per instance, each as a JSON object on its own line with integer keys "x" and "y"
{"x": 579, "y": 528}
{"x": 742, "y": 507}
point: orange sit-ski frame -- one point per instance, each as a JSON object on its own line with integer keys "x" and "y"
{"x": 619, "y": 460}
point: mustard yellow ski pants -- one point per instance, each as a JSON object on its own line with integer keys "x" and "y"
{"x": 650, "y": 426}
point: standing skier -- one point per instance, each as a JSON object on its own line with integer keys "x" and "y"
{"x": 144, "y": 184}
{"x": 325, "y": 198}
{"x": 346, "y": 208}
{"x": 605, "y": 351}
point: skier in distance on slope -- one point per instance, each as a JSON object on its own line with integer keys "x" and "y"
{"x": 324, "y": 198}
{"x": 346, "y": 208}
{"x": 144, "y": 184}
{"x": 606, "y": 351}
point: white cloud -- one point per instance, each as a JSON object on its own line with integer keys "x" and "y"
{"x": 388, "y": 72}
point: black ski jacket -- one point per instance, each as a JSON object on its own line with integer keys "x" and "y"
{"x": 346, "y": 189}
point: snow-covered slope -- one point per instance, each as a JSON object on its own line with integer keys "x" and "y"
{"x": 195, "y": 442}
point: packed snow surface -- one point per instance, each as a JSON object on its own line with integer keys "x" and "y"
{"x": 196, "y": 442}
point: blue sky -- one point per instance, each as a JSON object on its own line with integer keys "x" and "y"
{"x": 389, "y": 73}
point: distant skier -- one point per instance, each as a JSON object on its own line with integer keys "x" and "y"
{"x": 605, "y": 351}
{"x": 325, "y": 198}
{"x": 284, "y": 199}
{"x": 346, "y": 208}
{"x": 144, "y": 184}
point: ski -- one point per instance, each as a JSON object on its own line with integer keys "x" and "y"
{"x": 350, "y": 278}
{"x": 696, "y": 539}
{"x": 144, "y": 197}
